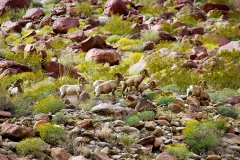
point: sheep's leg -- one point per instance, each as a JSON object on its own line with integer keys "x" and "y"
{"x": 123, "y": 89}
{"x": 136, "y": 89}
{"x": 63, "y": 95}
{"x": 113, "y": 94}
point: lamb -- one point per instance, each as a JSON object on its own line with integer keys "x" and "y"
{"x": 198, "y": 89}
{"x": 143, "y": 86}
{"x": 73, "y": 89}
{"x": 97, "y": 82}
{"x": 109, "y": 86}
{"x": 15, "y": 88}
{"x": 135, "y": 80}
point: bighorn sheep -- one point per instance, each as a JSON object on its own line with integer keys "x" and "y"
{"x": 135, "y": 80}
{"x": 142, "y": 87}
{"x": 198, "y": 89}
{"x": 15, "y": 88}
{"x": 109, "y": 86}
{"x": 97, "y": 82}
{"x": 73, "y": 89}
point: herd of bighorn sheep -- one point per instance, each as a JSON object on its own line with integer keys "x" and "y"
{"x": 130, "y": 84}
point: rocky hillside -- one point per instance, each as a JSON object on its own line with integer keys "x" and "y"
{"x": 184, "y": 53}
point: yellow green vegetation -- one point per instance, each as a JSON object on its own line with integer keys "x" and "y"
{"x": 50, "y": 104}
{"x": 51, "y": 133}
{"x": 31, "y": 146}
{"x": 129, "y": 44}
{"x": 44, "y": 30}
{"x": 147, "y": 115}
{"x": 61, "y": 118}
{"x": 132, "y": 120}
{"x": 14, "y": 38}
{"x": 203, "y": 136}
{"x": 126, "y": 140}
{"x": 223, "y": 94}
{"x": 209, "y": 41}
{"x": 115, "y": 21}
{"x": 179, "y": 151}
{"x": 227, "y": 111}
{"x": 84, "y": 8}
{"x": 182, "y": 47}
{"x": 229, "y": 30}
{"x": 12, "y": 14}
{"x": 40, "y": 91}
{"x": 59, "y": 43}
{"x": 150, "y": 35}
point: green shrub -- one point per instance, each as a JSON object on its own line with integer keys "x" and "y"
{"x": 229, "y": 30}
{"x": 132, "y": 120}
{"x": 6, "y": 104}
{"x": 151, "y": 95}
{"x": 59, "y": 43}
{"x": 84, "y": 8}
{"x": 227, "y": 111}
{"x": 51, "y": 133}
{"x": 14, "y": 39}
{"x": 147, "y": 115}
{"x": 179, "y": 151}
{"x": 115, "y": 21}
{"x": 171, "y": 88}
{"x": 150, "y": 35}
{"x": 214, "y": 14}
{"x": 165, "y": 100}
{"x": 49, "y": 104}
{"x": 129, "y": 44}
{"x": 233, "y": 16}
{"x": 202, "y": 136}
{"x": 31, "y": 146}
{"x": 41, "y": 90}
{"x": 23, "y": 106}
{"x": 113, "y": 38}
{"x": 61, "y": 118}
{"x": 223, "y": 94}
{"x": 44, "y": 30}
{"x": 126, "y": 140}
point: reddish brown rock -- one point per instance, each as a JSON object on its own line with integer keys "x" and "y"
{"x": 94, "y": 41}
{"x": 59, "y": 69}
{"x": 232, "y": 138}
{"x": 61, "y": 25}
{"x": 3, "y": 157}
{"x": 103, "y": 56}
{"x": 12, "y": 130}
{"x": 165, "y": 156}
{"x": 34, "y": 14}
{"x": 233, "y": 100}
{"x": 45, "y": 21}
{"x": 9, "y": 26}
{"x": 60, "y": 154}
{"x": 58, "y": 11}
{"x": 13, "y": 4}
{"x": 166, "y": 36}
{"x": 86, "y": 123}
{"x": 108, "y": 109}
{"x": 191, "y": 100}
{"x": 213, "y": 157}
{"x": 198, "y": 53}
{"x": 77, "y": 36}
{"x": 5, "y": 114}
{"x": 148, "y": 46}
{"x": 29, "y": 49}
{"x": 147, "y": 140}
{"x": 145, "y": 105}
{"x": 196, "y": 30}
{"x": 175, "y": 108}
{"x": 222, "y": 40}
{"x": 163, "y": 122}
{"x": 158, "y": 142}
{"x": 8, "y": 67}
{"x": 115, "y": 7}
{"x": 184, "y": 1}
{"x": 193, "y": 107}
{"x": 217, "y": 6}
{"x": 189, "y": 64}
{"x": 101, "y": 156}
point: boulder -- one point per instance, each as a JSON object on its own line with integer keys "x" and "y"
{"x": 148, "y": 46}
{"x": 77, "y": 36}
{"x": 115, "y": 7}
{"x": 137, "y": 67}
{"x": 8, "y": 67}
{"x": 184, "y": 1}
{"x": 230, "y": 46}
{"x": 191, "y": 100}
{"x": 108, "y": 109}
{"x": 94, "y": 41}
{"x": 62, "y": 24}
{"x": 206, "y": 7}
{"x": 34, "y": 14}
{"x": 100, "y": 156}
{"x": 10, "y": 26}
{"x": 166, "y": 36}
{"x": 13, "y": 4}
{"x": 3, "y": 157}
{"x": 103, "y": 56}
{"x": 5, "y": 114}
{"x": 165, "y": 156}
{"x": 16, "y": 131}
{"x": 146, "y": 140}
{"x": 60, "y": 154}
{"x": 232, "y": 100}
{"x": 196, "y": 30}
{"x": 45, "y": 21}
{"x": 198, "y": 53}
{"x": 145, "y": 105}
{"x": 59, "y": 69}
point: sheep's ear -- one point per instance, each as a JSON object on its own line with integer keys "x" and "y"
{"x": 204, "y": 82}
{"x": 200, "y": 82}
{"x": 117, "y": 74}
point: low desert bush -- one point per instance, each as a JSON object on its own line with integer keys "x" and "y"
{"x": 223, "y": 94}
{"x": 113, "y": 38}
{"x": 129, "y": 44}
{"x": 228, "y": 112}
{"x": 115, "y": 21}
{"x": 31, "y": 146}
{"x": 132, "y": 120}
{"x": 171, "y": 88}
{"x": 50, "y": 104}
{"x": 202, "y": 136}
{"x": 59, "y": 43}
{"x": 151, "y": 95}
{"x": 179, "y": 151}
{"x": 6, "y": 104}
{"x": 230, "y": 31}
{"x": 61, "y": 118}
{"x": 84, "y": 8}
{"x": 165, "y": 100}
{"x": 23, "y": 106}
{"x": 51, "y": 133}
{"x": 150, "y": 35}
{"x": 40, "y": 91}
{"x": 126, "y": 140}
{"x": 13, "y": 38}
{"x": 147, "y": 115}
{"x": 103, "y": 133}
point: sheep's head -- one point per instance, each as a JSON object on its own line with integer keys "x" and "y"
{"x": 203, "y": 83}
{"x": 152, "y": 85}
{"x": 145, "y": 73}
{"x": 119, "y": 76}
{"x": 82, "y": 80}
